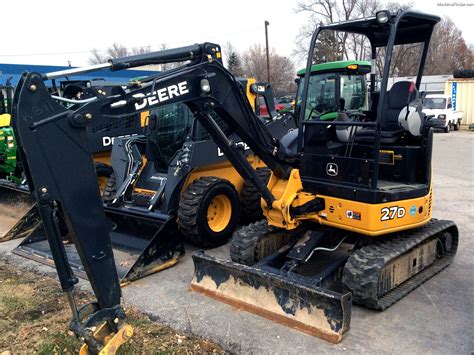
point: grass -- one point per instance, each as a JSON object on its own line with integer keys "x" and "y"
{"x": 34, "y": 318}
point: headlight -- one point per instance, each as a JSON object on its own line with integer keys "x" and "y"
{"x": 382, "y": 16}
{"x": 205, "y": 86}
{"x": 443, "y": 117}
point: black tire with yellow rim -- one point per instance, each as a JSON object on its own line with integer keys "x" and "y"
{"x": 250, "y": 197}
{"x": 209, "y": 211}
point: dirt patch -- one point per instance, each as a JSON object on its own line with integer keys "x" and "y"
{"x": 13, "y": 205}
{"x": 34, "y": 318}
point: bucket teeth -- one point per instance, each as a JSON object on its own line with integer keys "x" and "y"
{"x": 313, "y": 310}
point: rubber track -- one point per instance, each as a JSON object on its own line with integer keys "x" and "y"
{"x": 254, "y": 242}
{"x": 250, "y": 198}
{"x": 362, "y": 270}
{"x": 244, "y": 242}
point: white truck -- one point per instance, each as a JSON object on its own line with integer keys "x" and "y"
{"x": 441, "y": 109}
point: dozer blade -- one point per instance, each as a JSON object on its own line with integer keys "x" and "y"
{"x": 141, "y": 246}
{"x": 285, "y": 299}
{"x": 16, "y": 205}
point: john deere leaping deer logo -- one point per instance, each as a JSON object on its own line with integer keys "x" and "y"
{"x": 331, "y": 169}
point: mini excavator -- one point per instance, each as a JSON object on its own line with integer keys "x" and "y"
{"x": 347, "y": 217}
{"x": 52, "y": 143}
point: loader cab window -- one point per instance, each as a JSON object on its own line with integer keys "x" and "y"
{"x": 325, "y": 90}
{"x": 354, "y": 92}
{"x": 173, "y": 124}
{"x": 321, "y": 95}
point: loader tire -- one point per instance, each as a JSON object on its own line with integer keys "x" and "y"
{"x": 209, "y": 211}
{"x": 250, "y": 198}
{"x": 110, "y": 189}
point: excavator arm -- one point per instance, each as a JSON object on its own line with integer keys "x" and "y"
{"x": 52, "y": 143}
{"x": 61, "y": 175}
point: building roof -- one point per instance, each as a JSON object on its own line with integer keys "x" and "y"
{"x": 121, "y": 76}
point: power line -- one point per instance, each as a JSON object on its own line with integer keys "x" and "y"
{"x": 129, "y": 48}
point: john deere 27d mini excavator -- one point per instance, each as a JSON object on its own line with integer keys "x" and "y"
{"x": 350, "y": 218}
{"x": 340, "y": 223}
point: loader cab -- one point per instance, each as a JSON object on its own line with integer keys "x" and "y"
{"x": 169, "y": 128}
{"x": 177, "y": 144}
{"x": 380, "y": 151}
{"x": 332, "y": 83}
{"x": 171, "y": 125}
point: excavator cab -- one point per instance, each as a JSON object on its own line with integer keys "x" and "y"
{"x": 381, "y": 159}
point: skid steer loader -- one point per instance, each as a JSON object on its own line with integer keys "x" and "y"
{"x": 152, "y": 192}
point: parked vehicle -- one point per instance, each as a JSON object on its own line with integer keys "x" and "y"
{"x": 262, "y": 107}
{"x": 288, "y": 102}
{"x": 443, "y": 115}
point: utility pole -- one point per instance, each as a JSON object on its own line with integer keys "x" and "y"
{"x": 268, "y": 55}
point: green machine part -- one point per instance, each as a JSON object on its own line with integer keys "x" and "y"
{"x": 8, "y": 147}
{"x": 334, "y": 80}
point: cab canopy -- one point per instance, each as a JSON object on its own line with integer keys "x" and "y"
{"x": 344, "y": 66}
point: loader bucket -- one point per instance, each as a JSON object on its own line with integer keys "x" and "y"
{"x": 141, "y": 246}
{"x": 284, "y": 299}
{"x": 15, "y": 207}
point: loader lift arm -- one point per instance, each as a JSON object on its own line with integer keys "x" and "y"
{"x": 60, "y": 171}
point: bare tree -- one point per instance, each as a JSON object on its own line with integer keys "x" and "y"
{"x": 324, "y": 12}
{"x": 282, "y": 69}
{"x": 116, "y": 50}
{"x": 448, "y": 50}
{"x": 96, "y": 57}
{"x": 140, "y": 50}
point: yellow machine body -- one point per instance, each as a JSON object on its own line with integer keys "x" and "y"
{"x": 364, "y": 218}
{"x": 5, "y": 120}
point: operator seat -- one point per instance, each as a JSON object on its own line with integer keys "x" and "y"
{"x": 401, "y": 93}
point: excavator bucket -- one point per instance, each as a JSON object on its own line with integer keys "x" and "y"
{"x": 141, "y": 246}
{"x": 286, "y": 299}
{"x": 16, "y": 205}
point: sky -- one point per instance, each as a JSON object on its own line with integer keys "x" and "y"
{"x": 60, "y": 32}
